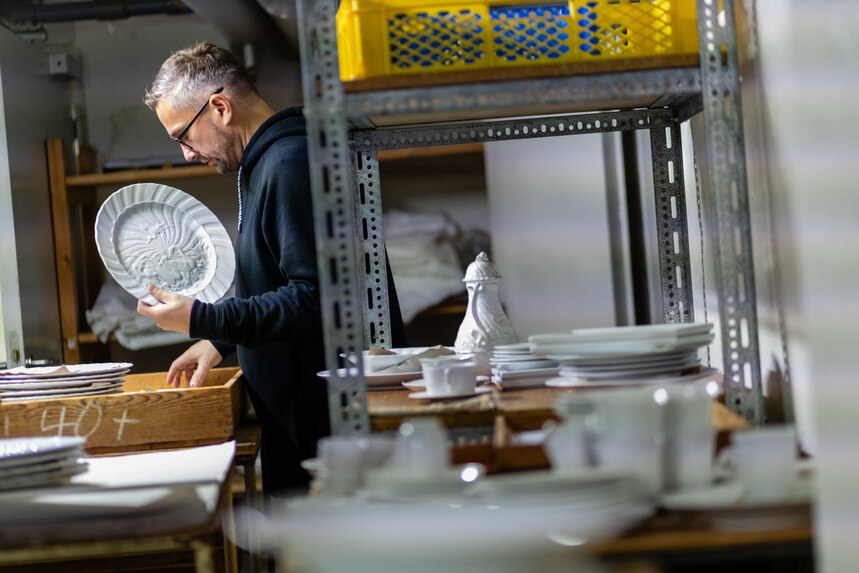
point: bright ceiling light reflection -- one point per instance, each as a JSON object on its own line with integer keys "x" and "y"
{"x": 712, "y": 388}
{"x": 565, "y": 540}
{"x": 469, "y": 473}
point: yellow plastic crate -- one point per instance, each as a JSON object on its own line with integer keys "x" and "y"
{"x": 393, "y": 37}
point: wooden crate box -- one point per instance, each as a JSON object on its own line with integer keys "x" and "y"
{"x": 146, "y": 415}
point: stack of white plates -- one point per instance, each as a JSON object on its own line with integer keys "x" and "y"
{"x": 624, "y": 355}
{"x": 515, "y": 366}
{"x": 64, "y": 381}
{"x": 33, "y": 462}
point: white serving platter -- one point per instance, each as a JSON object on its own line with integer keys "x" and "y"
{"x": 148, "y": 233}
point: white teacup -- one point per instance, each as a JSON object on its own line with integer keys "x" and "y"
{"x": 629, "y": 432}
{"x": 420, "y": 448}
{"x": 342, "y": 459}
{"x": 690, "y": 434}
{"x": 448, "y": 375}
{"x": 566, "y": 444}
{"x": 763, "y": 461}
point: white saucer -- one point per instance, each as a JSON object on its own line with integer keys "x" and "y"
{"x": 427, "y": 396}
{"x": 392, "y": 484}
{"x": 727, "y": 509}
{"x": 419, "y": 383}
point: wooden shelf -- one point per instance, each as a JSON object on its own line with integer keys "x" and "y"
{"x": 499, "y": 74}
{"x": 139, "y": 175}
{"x": 416, "y": 152}
{"x": 73, "y": 197}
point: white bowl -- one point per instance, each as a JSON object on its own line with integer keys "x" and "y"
{"x": 377, "y": 362}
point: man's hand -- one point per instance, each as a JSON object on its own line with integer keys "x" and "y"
{"x": 173, "y": 314}
{"x": 195, "y": 363}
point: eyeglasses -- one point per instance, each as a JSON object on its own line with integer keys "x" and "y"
{"x": 184, "y": 132}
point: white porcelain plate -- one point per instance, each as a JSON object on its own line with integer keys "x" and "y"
{"x": 14, "y": 386}
{"x": 65, "y": 372}
{"x": 97, "y": 388}
{"x": 148, "y": 233}
{"x": 419, "y": 384}
{"x": 567, "y": 382}
{"x": 427, "y": 396}
{"x": 15, "y": 451}
{"x": 375, "y": 379}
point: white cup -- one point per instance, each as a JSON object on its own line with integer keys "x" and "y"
{"x": 342, "y": 459}
{"x": 763, "y": 461}
{"x": 629, "y": 433}
{"x": 375, "y": 450}
{"x": 690, "y": 436}
{"x": 566, "y": 444}
{"x": 420, "y": 448}
{"x": 448, "y": 375}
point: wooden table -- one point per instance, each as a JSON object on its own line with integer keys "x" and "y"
{"x": 483, "y": 427}
{"x": 187, "y": 537}
{"x": 669, "y": 538}
{"x": 686, "y": 541}
{"x": 525, "y": 409}
{"x": 150, "y": 419}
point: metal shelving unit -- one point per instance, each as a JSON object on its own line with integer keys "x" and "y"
{"x": 344, "y": 146}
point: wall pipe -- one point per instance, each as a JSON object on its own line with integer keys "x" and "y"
{"x": 25, "y": 12}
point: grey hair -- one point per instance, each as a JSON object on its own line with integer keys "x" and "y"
{"x": 193, "y": 73}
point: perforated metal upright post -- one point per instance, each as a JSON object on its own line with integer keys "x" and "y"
{"x": 672, "y": 229}
{"x": 372, "y": 258}
{"x": 729, "y": 192}
{"x": 334, "y": 213}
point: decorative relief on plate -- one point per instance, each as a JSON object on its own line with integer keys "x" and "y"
{"x": 159, "y": 244}
{"x": 154, "y": 234}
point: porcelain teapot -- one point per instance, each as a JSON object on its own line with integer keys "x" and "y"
{"x": 485, "y": 324}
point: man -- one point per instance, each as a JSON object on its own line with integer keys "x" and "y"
{"x": 206, "y": 102}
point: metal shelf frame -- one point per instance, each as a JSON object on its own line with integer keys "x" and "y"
{"x": 343, "y": 151}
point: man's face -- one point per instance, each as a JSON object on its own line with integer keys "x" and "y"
{"x": 207, "y": 140}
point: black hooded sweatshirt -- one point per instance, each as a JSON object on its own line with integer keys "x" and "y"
{"x": 274, "y": 321}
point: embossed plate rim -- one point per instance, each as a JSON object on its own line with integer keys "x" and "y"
{"x": 141, "y": 193}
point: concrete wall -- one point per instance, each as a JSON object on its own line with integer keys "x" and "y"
{"x": 34, "y": 108}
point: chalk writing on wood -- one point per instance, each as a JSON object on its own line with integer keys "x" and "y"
{"x": 89, "y": 417}
{"x": 122, "y": 422}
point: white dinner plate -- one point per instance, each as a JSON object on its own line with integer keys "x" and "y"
{"x": 59, "y": 474}
{"x": 65, "y": 392}
{"x": 14, "y": 451}
{"x": 375, "y": 379}
{"x": 533, "y": 364}
{"x": 12, "y": 386}
{"x": 622, "y": 359}
{"x": 517, "y": 374}
{"x": 148, "y": 233}
{"x": 514, "y": 359}
{"x": 573, "y": 349}
{"x": 659, "y": 332}
{"x": 515, "y": 347}
{"x": 66, "y": 371}
{"x": 626, "y": 372}
{"x": 564, "y": 382}
{"x": 47, "y": 466}
{"x": 427, "y": 396}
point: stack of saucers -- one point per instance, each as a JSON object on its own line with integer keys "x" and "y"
{"x": 40, "y": 461}
{"x": 64, "y": 381}
{"x": 515, "y": 366}
{"x": 625, "y": 355}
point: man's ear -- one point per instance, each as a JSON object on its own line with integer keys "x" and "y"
{"x": 223, "y": 108}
